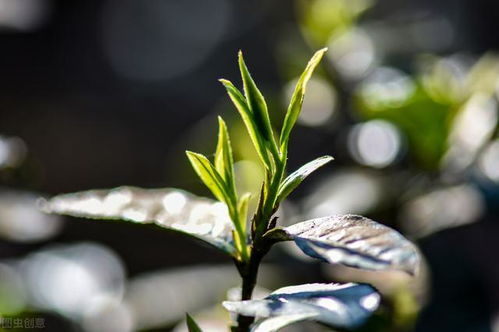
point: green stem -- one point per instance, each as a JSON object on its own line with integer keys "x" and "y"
{"x": 249, "y": 269}
{"x": 269, "y": 205}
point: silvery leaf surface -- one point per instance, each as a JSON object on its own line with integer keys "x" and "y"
{"x": 336, "y": 305}
{"x": 169, "y": 208}
{"x": 355, "y": 241}
{"x": 276, "y": 323}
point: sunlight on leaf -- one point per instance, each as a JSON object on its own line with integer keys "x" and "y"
{"x": 169, "y": 208}
{"x": 297, "y": 99}
{"x": 208, "y": 174}
{"x": 247, "y": 116}
{"x": 295, "y": 178}
{"x": 355, "y": 241}
{"x": 223, "y": 155}
{"x": 256, "y": 103}
{"x": 336, "y": 305}
{"x": 276, "y": 323}
{"x": 243, "y": 207}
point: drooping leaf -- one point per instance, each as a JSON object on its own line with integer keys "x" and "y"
{"x": 247, "y": 117}
{"x": 336, "y": 305}
{"x": 168, "y": 208}
{"x": 295, "y": 178}
{"x": 297, "y": 99}
{"x": 208, "y": 174}
{"x": 256, "y": 103}
{"x": 223, "y": 155}
{"x": 354, "y": 241}
{"x": 191, "y": 324}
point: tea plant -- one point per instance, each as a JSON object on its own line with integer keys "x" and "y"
{"x": 350, "y": 240}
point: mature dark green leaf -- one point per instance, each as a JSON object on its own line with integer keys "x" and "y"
{"x": 340, "y": 306}
{"x": 355, "y": 241}
{"x": 256, "y": 103}
{"x": 247, "y": 116}
{"x": 208, "y": 174}
{"x": 169, "y": 208}
{"x": 297, "y": 99}
{"x": 295, "y": 178}
{"x": 191, "y": 324}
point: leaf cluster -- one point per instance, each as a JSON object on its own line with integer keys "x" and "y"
{"x": 272, "y": 151}
{"x": 350, "y": 240}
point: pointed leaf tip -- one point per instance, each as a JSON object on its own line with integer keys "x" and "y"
{"x": 253, "y": 126}
{"x": 258, "y": 106}
{"x": 223, "y": 158}
{"x": 297, "y": 177}
{"x": 192, "y": 326}
{"x": 297, "y": 98}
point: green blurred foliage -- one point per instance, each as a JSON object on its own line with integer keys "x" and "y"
{"x": 320, "y": 19}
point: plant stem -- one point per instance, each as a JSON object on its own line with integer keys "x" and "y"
{"x": 249, "y": 273}
{"x": 249, "y": 269}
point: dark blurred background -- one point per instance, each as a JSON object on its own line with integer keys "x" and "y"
{"x": 97, "y": 94}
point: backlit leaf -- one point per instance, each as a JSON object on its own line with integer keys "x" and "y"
{"x": 355, "y": 241}
{"x": 223, "y": 155}
{"x": 243, "y": 208}
{"x": 296, "y": 102}
{"x": 168, "y": 208}
{"x": 336, "y": 305}
{"x": 208, "y": 174}
{"x": 246, "y": 114}
{"x": 295, "y": 178}
{"x": 256, "y": 103}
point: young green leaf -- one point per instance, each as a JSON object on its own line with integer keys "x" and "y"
{"x": 297, "y": 100}
{"x": 247, "y": 116}
{"x": 223, "y": 156}
{"x": 243, "y": 208}
{"x": 168, "y": 208}
{"x": 295, "y": 178}
{"x": 191, "y": 324}
{"x": 257, "y": 105}
{"x": 208, "y": 174}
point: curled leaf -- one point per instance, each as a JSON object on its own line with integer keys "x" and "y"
{"x": 243, "y": 208}
{"x": 336, "y": 305}
{"x": 355, "y": 241}
{"x": 295, "y": 178}
{"x": 168, "y": 208}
